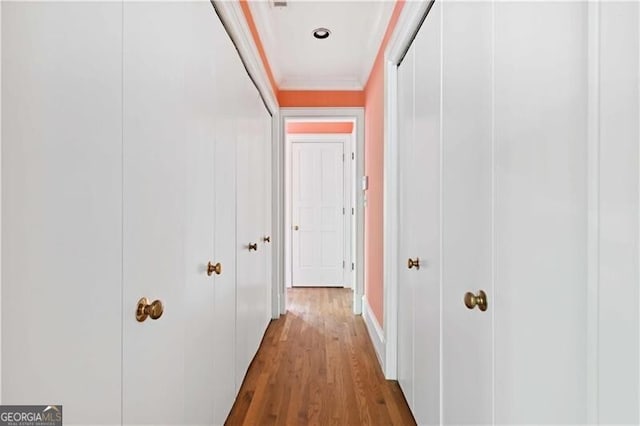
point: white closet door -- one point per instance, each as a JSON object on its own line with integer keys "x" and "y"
{"x": 618, "y": 322}
{"x": 249, "y": 230}
{"x": 424, "y": 204}
{"x": 267, "y": 251}
{"x": 467, "y": 211}
{"x": 155, "y": 212}
{"x": 210, "y": 226}
{"x": 61, "y": 207}
{"x": 406, "y": 222}
{"x": 540, "y": 212}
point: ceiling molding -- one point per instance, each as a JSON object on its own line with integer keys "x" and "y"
{"x": 236, "y": 25}
{"x": 260, "y": 11}
{"x": 317, "y": 84}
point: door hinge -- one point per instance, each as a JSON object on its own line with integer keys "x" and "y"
{"x": 352, "y": 211}
{"x": 343, "y": 264}
{"x": 342, "y": 157}
{"x": 353, "y": 266}
{"x": 343, "y": 210}
{"x": 353, "y": 156}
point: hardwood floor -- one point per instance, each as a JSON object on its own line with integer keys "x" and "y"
{"x": 317, "y": 366}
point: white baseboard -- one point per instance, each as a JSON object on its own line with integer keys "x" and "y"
{"x": 375, "y": 331}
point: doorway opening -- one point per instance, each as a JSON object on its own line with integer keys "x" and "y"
{"x": 322, "y": 203}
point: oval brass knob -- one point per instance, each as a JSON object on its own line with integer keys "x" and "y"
{"x": 472, "y": 300}
{"x": 211, "y": 268}
{"x": 145, "y": 309}
{"x": 413, "y": 263}
{"x": 253, "y": 246}
{"x": 267, "y": 239}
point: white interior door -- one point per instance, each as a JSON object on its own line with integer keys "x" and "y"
{"x": 318, "y": 214}
{"x": 62, "y": 207}
{"x": 467, "y": 211}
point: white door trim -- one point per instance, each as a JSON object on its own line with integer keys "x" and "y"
{"x": 408, "y": 24}
{"x": 319, "y": 114}
{"x": 345, "y": 139}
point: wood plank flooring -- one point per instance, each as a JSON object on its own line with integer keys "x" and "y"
{"x": 317, "y": 366}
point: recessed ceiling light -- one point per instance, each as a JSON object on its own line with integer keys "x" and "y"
{"x": 321, "y": 33}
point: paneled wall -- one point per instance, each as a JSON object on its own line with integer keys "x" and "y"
{"x": 135, "y": 152}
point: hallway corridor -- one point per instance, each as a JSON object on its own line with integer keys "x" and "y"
{"x": 316, "y": 365}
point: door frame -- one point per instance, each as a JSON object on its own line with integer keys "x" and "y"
{"x": 409, "y": 22}
{"x": 349, "y": 182}
{"x": 356, "y": 115}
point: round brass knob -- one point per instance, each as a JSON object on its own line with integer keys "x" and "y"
{"x": 253, "y": 246}
{"x": 413, "y": 263}
{"x": 267, "y": 239}
{"x": 211, "y": 268}
{"x": 145, "y": 309}
{"x": 472, "y": 300}
{"x": 295, "y": 228}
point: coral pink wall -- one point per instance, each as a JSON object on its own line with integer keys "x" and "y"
{"x": 321, "y": 98}
{"x": 372, "y": 98}
{"x": 373, "y": 167}
{"x": 319, "y": 127}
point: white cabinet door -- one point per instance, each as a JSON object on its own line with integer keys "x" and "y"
{"x": 251, "y": 299}
{"x": 318, "y": 214}
{"x": 539, "y": 303}
{"x": 419, "y": 222}
{"x": 155, "y": 213}
{"x": 61, "y": 207}
{"x": 424, "y": 199}
{"x": 406, "y": 221}
{"x": 616, "y": 264}
{"x": 467, "y": 211}
{"x": 224, "y": 284}
{"x": 209, "y": 317}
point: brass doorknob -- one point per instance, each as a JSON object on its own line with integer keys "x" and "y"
{"x": 472, "y": 300}
{"x": 145, "y": 309}
{"x": 211, "y": 268}
{"x": 414, "y": 263}
{"x": 253, "y": 246}
{"x": 295, "y": 228}
{"x": 267, "y": 239}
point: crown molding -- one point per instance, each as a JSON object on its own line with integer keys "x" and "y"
{"x": 233, "y": 19}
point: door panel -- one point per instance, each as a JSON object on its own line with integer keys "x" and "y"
{"x": 155, "y": 220}
{"x": 424, "y": 205}
{"x": 62, "y": 207}
{"x": 540, "y": 218}
{"x": 317, "y": 207}
{"x": 406, "y": 322}
{"x": 467, "y": 211}
{"x": 618, "y": 322}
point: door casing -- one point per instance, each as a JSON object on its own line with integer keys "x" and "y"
{"x": 328, "y": 115}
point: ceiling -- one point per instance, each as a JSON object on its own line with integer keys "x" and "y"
{"x": 341, "y": 62}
